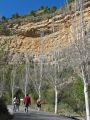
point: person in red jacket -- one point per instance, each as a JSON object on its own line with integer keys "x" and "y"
{"x": 27, "y": 102}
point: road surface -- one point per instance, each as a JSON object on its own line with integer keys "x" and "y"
{"x": 35, "y": 115}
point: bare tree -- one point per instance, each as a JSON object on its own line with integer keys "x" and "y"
{"x": 55, "y": 73}
{"x": 14, "y": 62}
{"x": 79, "y": 53}
{"x": 27, "y": 63}
{"x": 37, "y": 82}
{"x": 38, "y": 79}
{"x": 13, "y": 75}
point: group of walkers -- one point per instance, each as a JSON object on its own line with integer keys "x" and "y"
{"x": 26, "y": 102}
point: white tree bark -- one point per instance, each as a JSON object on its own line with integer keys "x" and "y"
{"x": 85, "y": 80}
{"x": 26, "y": 73}
{"x": 13, "y": 74}
{"x": 56, "y": 100}
{"x": 26, "y": 80}
{"x": 41, "y": 77}
{"x": 86, "y": 100}
{"x": 39, "y": 92}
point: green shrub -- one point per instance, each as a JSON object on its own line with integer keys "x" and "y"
{"x": 4, "y": 30}
{"x": 4, "y": 19}
{"x": 48, "y": 107}
{"x": 64, "y": 108}
{"x": 53, "y": 9}
{"x": 33, "y": 13}
{"x": 75, "y": 99}
{"x": 69, "y": 1}
{"x": 15, "y": 16}
{"x": 4, "y": 114}
{"x": 6, "y": 97}
{"x": 46, "y": 10}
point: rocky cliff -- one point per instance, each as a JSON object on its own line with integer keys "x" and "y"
{"x": 49, "y": 34}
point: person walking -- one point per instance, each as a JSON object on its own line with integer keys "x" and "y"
{"x": 16, "y": 103}
{"x": 27, "y": 102}
{"x": 39, "y": 102}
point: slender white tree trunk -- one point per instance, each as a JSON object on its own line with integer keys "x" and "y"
{"x": 39, "y": 92}
{"x": 56, "y": 100}
{"x": 12, "y": 94}
{"x": 39, "y": 89}
{"x": 26, "y": 73}
{"x": 85, "y": 80}
{"x": 86, "y": 100}
{"x": 25, "y": 90}
{"x": 41, "y": 72}
{"x": 26, "y": 79}
{"x": 13, "y": 81}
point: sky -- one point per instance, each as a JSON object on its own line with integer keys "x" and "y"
{"x": 9, "y": 7}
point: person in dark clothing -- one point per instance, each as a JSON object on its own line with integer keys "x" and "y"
{"x": 27, "y": 102}
{"x": 16, "y": 103}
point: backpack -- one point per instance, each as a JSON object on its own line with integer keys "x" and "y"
{"x": 17, "y": 101}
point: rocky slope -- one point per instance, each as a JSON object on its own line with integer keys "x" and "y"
{"x": 50, "y": 34}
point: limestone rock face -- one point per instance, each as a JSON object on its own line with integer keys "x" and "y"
{"x": 50, "y": 34}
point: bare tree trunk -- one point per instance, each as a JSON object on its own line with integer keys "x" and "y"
{"x": 41, "y": 62}
{"x": 26, "y": 80}
{"x": 84, "y": 65}
{"x": 13, "y": 81}
{"x": 85, "y": 80}
{"x": 86, "y": 100}
{"x": 12, "y": 94}
{"x": 56, "y": 100}
{"x": 39, "y": 92}
{"x": 26, "y": 73}
{"x": 40, "y": 84}
{"x": 12, "y": 88}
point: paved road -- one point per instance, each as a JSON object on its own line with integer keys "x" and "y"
{"x": 34, "y": 115}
